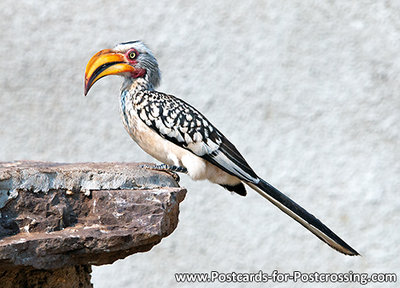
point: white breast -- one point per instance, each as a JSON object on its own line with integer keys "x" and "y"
{"x": 167, "y": 152}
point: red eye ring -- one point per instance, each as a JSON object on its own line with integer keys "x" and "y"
{"x": 132, "y": 54}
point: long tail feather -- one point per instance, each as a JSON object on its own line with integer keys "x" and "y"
{"x": 299, "y": 214}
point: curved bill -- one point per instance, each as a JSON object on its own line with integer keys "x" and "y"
{"x": 103, "y": 63}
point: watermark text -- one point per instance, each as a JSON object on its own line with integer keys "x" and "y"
{"x": 280, "y": 277}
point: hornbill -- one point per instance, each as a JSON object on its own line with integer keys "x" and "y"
{"x": 178, "y": 135}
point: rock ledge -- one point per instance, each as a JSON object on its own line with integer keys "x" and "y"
{"x": 70, "y": 216}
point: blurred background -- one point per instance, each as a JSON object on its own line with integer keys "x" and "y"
{"x": 307, "y": 90}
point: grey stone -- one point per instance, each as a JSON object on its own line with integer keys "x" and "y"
{"x": 53, "y": 223}
{"x": 43, "y": 176}
{"x": 72, "y": 276}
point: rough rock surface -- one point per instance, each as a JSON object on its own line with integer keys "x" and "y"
{"x": 66, "y": 277}
{"x": 44, "y": 176}
{"x": 64, "y": 215}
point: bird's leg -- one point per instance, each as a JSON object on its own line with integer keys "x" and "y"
{"x": 165, "y": 167}
{"x": 170, "y": 169}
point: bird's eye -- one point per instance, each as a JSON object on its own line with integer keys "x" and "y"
{"x": 132, "y": 55}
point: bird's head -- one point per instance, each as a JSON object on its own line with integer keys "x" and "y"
{"x": 131, "y": 60}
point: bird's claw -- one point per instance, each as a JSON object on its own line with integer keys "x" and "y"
{"x": 164, "y": 168}
{"x": 175, "y": 176}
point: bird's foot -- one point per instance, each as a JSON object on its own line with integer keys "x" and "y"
{"x": 170, "y": 169}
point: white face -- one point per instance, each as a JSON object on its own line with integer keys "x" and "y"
{"x": 138, "y": 45}
{"x": 145, "y": 59}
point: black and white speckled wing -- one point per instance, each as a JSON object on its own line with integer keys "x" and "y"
{"x": 182, "y": 124}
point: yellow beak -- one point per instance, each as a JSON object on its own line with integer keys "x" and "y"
{"x": 103, "y": 63}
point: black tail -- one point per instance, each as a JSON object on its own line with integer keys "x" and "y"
{"x": 299, "y": 214}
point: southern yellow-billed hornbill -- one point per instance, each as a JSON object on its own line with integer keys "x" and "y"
{"x": 178, "y": 135}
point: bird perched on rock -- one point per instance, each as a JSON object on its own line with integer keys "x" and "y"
{"x": 175, "y": 133}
